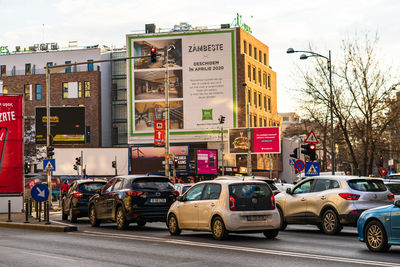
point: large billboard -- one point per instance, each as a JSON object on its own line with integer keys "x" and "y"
{"x": 67, "y": 125}
{"x": 207, "y": 161}
{"x": 11, "y": 144}
{"x": 201, "y": 70}
{"x": 263, "y": 140}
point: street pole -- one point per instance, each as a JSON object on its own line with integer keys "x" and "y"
{"x": 270, "y": 166}
{"x": 116, "y": 166}
{"x": 166, "y": 118}
{"x": 82, "y": 165}
{"x": 331, "y": 107}
{"x": 222, "y": 148}
{"x": 249, "y": 168}
{"x": 48, "y": 129}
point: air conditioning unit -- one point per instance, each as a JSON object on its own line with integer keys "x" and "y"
{"x": 17, "y": 48}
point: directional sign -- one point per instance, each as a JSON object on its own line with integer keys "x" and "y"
{"x": 299, "y": 165}
{"x": 49, "y": 164}
{"x": 291, "y": 162}
{"x": 40, "y": 192}
{"x": 311, "y": 138}
{"x": 312, "y": 169}
{"x": 383, "y": 171}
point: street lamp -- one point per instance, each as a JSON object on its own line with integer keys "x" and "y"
{"x": 313, "y": 54}
{"x": 166, "y": 118}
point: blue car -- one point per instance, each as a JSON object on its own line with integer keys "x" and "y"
{"x": 379, "y": 228}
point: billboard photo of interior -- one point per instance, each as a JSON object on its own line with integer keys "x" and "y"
{"x": 147, "y": 112}
{"x": 151, "y": 84}
{"x": 142, "y": 48}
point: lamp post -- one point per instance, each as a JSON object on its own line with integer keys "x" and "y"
{"x": 313, "y": 54}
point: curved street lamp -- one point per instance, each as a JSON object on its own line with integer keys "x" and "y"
{"x": 313, "y": 54}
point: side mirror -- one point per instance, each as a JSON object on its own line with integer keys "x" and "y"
{"x": 180, "y": 198}
{"x": 289, "y": 190}
{"x": 397, "y": 203}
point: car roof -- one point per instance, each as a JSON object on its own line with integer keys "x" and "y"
{"x": 136, "y": 176}
{"x": 90, "y": 181}
{"x": 228, "y": 181}
{"x": 245, "y": 178}
{"x": 343, "y": 177}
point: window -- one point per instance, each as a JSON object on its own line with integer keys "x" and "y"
{"x": 265, "y": 80}
{"x": 64, "y": 90}
{"x": 28, "y": 69}
{"x": 3, "y": 69}
{"x": 68, "y": 70}
{"x": 269, "y": 104}
{"x": 87, "y": 89}
{"x": 259, "y": 56}
{"x": 254, "y": 74}
{"x": 5, "y": 89}
{"x": 334, "y": 184}
{"x": 107, "y": 187}
{"x": 245, "y": 47}
{"x": 50, "y": 64}
{"x": 38, "y": 92}
{"x": 249, "y": 72}
{"x": 79, "y": 89}
{"x": 265, "y": 103}
{"x": 255, "y": 99}
{"x": 260, "y": 123}
{"x": 255, "y": 53}
{"x": 250, "y": 47}
{"x": 28, "y": 91}
{"x": 303, "y": 188}
{"x": 265, "y": 59}
{"x": 249, "y": 97}
{"x": 195, "y": 193}
{"x": 90, "y": 66}
{"x": 255, "y": 120}
{"x": 367, "y": 185}
{"x": 265, "y": 123}
{"x": 321, "y": 185}
{"x": 285, "y": 118}
{"x": 259, "y": 77}
{"x": 269, "y": 82}
{"x": 118, "y": 184}
{"x": 212, "y": 191}
{"x": 259, "y": 100}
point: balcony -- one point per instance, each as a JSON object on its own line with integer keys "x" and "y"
{"x": 40, "y": 70}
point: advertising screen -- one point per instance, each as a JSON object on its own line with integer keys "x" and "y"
{"x": 263, "y": 140}
{"x": 201, "y": 79}
{"x": 207, "y": 161}
{"x": 67, "y": 125}
{"x": 11, "y": 145}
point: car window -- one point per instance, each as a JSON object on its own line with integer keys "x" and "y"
{"x": 321, "y": 185}
{"x": 212, "y": 191}
{"x": 72, "y": 188}
{"x": 195, "y": 192}
{"x": 107, "y": 187}
{"x": 394, "y": 188}
{"x": 368, "y": 185}
{"x": 185, "y": 188}
{"x": 250, "y": 196}
{"x": 90, "y": 187}
{"x": 334, "y": 184}
{"x": 272, "y": 185}
{"x": 152, "y": 183}
{"x": 303, "y": 188}
{"x": 118, "y": 184}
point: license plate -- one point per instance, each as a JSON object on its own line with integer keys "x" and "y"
{"x": 158, "y": 200}
{"x": 256, "y": 218}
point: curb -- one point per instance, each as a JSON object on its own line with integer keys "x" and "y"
{"x": 49, "y": 228}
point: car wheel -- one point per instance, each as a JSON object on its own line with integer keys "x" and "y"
{"x": 218, "y": 229}
{"x": 122, "y": 222}
{"x": 141, "y": 223}
{"x": 173, "y": 226}
{"x": 92, "y": 217}
{"x": 64, "y": 215}
{"x": 330, "y": 223}
{"x": 375, "y": 237}
{"x": 283, "y": 222}
{"x": 72, "y": 216}
{"x": 270, "y": 234}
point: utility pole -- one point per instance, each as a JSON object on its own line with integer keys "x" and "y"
{"x": 48, "y": 135}
{"x": 81, "y": 164}
{"x": 249, "y": 167}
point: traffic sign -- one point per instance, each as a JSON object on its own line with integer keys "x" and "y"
{"x": 312, "y": 169}
{"x": 291, "y": 162}
{"x": 85, "y": 176}
{"x": 383, "y": 171}
{"x": 49, "y": 164}
{"x": 391, "y": 172}
{"x": 311, "y": 138}
{"x": 40, "y": 192}
{"x": 299, "y": 165}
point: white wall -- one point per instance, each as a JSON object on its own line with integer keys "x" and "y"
{"x": 16, "y": 204}
{"x": 287, "y": 174}
{"x": 106, "y": 123}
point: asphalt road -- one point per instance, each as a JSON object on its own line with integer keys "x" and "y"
{"x": 153, "y": 246}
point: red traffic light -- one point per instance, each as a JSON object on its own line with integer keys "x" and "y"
{"x": 312, "y": 146}
{"x": 153, "y": 50}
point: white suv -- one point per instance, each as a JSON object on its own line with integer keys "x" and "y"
{"x": 223, "y": 206}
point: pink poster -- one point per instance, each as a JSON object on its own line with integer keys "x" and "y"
{"x": 207, "y": 162}
{"x": 267, "y": 140}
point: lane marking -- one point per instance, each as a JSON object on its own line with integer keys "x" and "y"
{"x": 48, "y": 256}
{"x": 237, "y": 248}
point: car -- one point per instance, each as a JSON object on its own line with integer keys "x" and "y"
{"x": 332, "y": 201}
{"x": 224, "y": 206}
{"x": 379, "y": 228}
{"x": 393, "y": 186}
{"x": 282, "y": 187}
{"x": 76, "y": 200}
{"x": 182, "y": 188}
{"x": 267, "y": 180}
{"x": 132, "y": 199}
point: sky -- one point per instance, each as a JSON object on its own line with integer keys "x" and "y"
{"x": 280, "y": 24}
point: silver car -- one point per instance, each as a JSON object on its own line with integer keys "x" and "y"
{"x": 331, "y": 201}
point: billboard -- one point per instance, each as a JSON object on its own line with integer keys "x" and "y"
{"x": 150, "y": 159}
{"x": 11, "y": 144}
{"x": 263, "y": 140}
{"x": 67, "y": 125}
{"x": 207, "y": 161}
{"x": 201, "y": 70}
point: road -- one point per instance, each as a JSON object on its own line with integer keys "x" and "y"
{"x": 153, "y": 246}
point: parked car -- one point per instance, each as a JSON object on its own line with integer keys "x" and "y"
{"x": 379, "y": 228}
{"x": 394, "y": 187}
{"x": 182, "y": 188}
{"x": 283, "y": 186}
{"x": 269, "y": 181}
{"x": 330, "y": 202}
{"x": 133, "y": 198}
{"x": 75, "y": 202}
{"x": 222, "y": 206}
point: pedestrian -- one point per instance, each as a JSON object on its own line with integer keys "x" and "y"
{"x": 64, "y": 188}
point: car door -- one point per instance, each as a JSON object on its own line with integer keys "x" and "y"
{"x": 112, "y": 197}
{"x": 207, "y": 205}
{"x": 188, "y": 210}
{"x": 68, "y": 197}
{"x": 317, "y": 198}
{"x": 101, "y": 201}
{"x": 296, "y": 205}
{"x": 395, "y": 223}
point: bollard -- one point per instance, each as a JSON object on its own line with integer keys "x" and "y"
{"x": 48, "y": 212}
{"x": 40, "y": 211}
{"x": 9, "y": 211}
{"x": 44, "y": 210}
{"x": 30, "y": 207}
{"x": 26, "y": 211}
{"x": 37, "y": 209}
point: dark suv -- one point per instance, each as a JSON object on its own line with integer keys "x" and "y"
{"x": 133, "y": 198}
{"x": 75, "y": 202}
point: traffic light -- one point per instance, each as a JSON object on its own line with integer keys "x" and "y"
{"x": 309, "y": 150}
{"x": 78, "y": 161}
{"x": 50, "y": 151}
{"x": 175, "y": 162}
{"x": 294, "y": 155}
{"x": 114, "y": 164}
{"x": 153, "y": 55}
{"x": 75, "y": 167}
{"x": 221, "y": 119}
{"x": 381, "y": 161}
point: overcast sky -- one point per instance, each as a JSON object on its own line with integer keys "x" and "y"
{"x": 278, "y": 23}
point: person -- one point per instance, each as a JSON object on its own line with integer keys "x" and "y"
{"x": 64, "y": 187}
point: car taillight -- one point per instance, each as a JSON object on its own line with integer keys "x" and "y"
{"x": 349, "y": 196}
{"x": 232, "y": 203}
{"x": 272, "y": 202}
{"x": 133, "y": 193}
{"x": 391, "y": 197}
{"x": 78, "y": 195}
{"x": 176, "y": 193}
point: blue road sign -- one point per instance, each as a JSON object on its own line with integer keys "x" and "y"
{"x": 85, "y": 176}
{"x": 299, "y": 165}
{"x": 40, "y": 192}
{"x": 291, "y": 162}
{"x": 312, "y": 169}
{"x": 391, "y": 172}
{"x": 49, "y": 164}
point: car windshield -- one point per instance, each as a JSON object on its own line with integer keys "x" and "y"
{"x": 367, "y": 185}
{"x": 90, "y": 187}
{"x": 185, "y": 188}
{"x": 162, "y": 184}
{"x": 271, "y": 184}
{"x": 394, "y": 188}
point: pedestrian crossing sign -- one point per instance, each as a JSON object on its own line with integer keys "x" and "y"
{"x": 49, "y": 164}
{"x": 312, "y": 169}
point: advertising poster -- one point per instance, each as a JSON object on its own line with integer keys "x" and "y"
{"x": 263, "y": 140}
{"x": 11, "y": 145}
{"x": 201, "y": 82}
{"x": 238, "y": 141}
{"x": 207, "y": 161}
{"x": 150, "y": 159}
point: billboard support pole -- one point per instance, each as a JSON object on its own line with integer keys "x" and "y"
{"x": 249, "y": 168}
{"x": 222, "y": 148}
{"x": 48, "y": 131}
{"x": 82, "y": 165}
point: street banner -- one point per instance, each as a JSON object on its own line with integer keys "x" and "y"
{"x": 11, "y": 144}
{"x": 207, "y": 161}
{"x": 159, "y": 133}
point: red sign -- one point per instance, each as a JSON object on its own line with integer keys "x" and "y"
{"x": 311, "y": 138}
{"x": 383, "y": 171}
{"x": 266, "y": 140}
{"x": 159, "y": 133}
{"x": 11, "y": 144}
{"x": 299, "y": 165}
